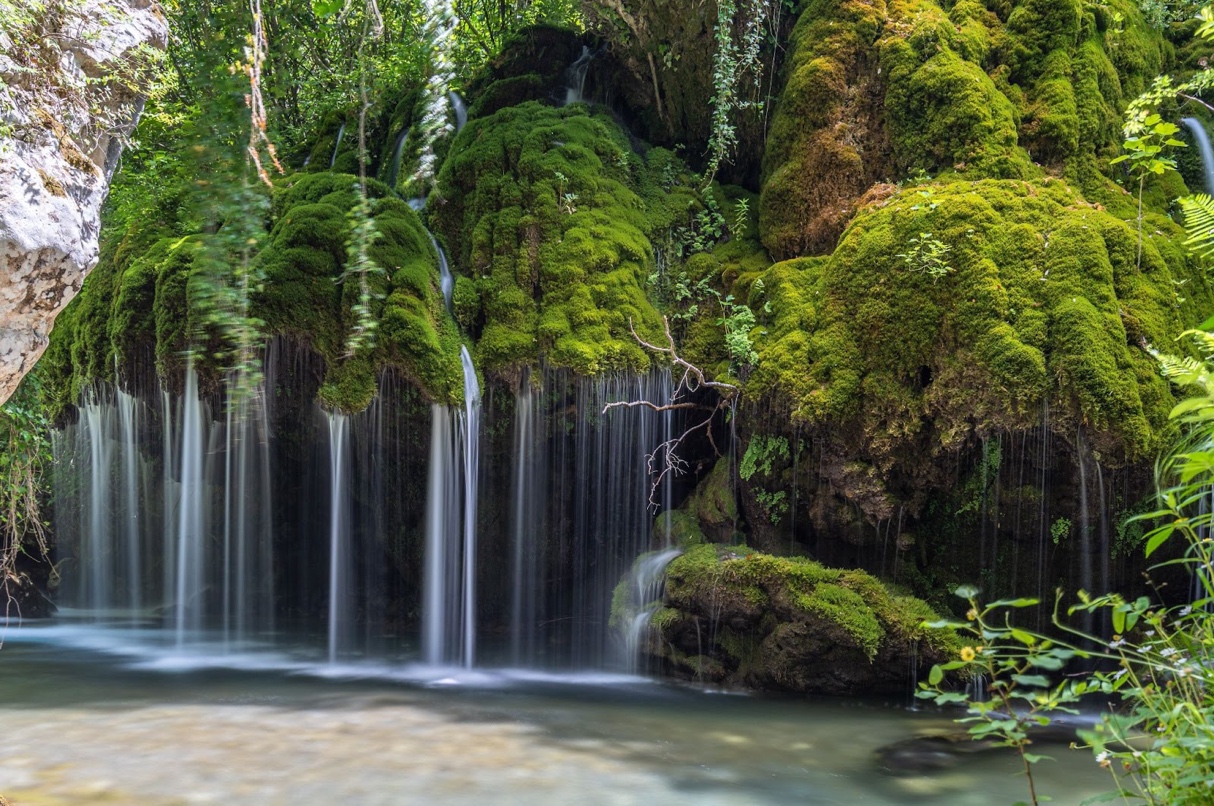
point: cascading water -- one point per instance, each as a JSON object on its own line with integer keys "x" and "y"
{"x": 191, "y": 514}
{"x": 339, "y": 532}
{"x": 449, "y": 617}
{"x": 575, "y": 77}
{"x": 1203, "y": 145}
{"x": 471, "y": 423}
{"x": 581, "y": 516}
{"x": 645, "y": 584}
{"x": 210, "y": 564}
{"x": 341, "y": 131}
{"x": 460, "y": 109}
{"x": 397, "y": 152}
{"x": 526, "y": 535}
{"x": 446, "y": 280}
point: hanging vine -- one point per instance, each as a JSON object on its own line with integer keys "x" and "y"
{"x": 435, "y": 125}
{"x": 741, "y": 27}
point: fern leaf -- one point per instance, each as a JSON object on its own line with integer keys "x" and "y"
{"x": 1199, "y": 223}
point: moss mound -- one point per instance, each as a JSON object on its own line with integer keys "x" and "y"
{"x": 879, "y": 91}
{"x": 788, "y": 623}
{"x": 140, "y": 301}
{"x": 306, "y": 255}
{"x": 1040, "y": 302}
{"x": 544, "y": 212}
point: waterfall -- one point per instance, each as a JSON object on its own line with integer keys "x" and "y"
{"x": 461, "y": 111}
{"x": 449, "y": 610}
{"x": 132, "y": 545}
{"x": 100, "y": 542}
{"x": 397, "y": 151}
{"x": 339, "y": 532}
{"x": 341, "y": 130}
{"x": 446, "y": 280}
{"x": 580, "y": 493}
{"x": 190, "y": 513}
{"x": 208, "y": 562}
{"x": 1203, "y": 145}
{"x": 527, "y": 526}
{"x": 645, "y": 584}
{"x": 471, "y": 423}
{"x": 575, "y": 77}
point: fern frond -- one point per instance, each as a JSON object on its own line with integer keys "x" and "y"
{"x": 1199, "y": 223}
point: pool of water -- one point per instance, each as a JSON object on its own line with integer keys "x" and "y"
{"x": 110, "y": 717}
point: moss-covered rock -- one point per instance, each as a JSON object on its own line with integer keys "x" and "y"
{"x": 880, "y": 91}
{"x": 141, "y": 303}
{"x": 789, "y": 624}
{"x": 303, "y": 262}
{"x": 542, "y": 210}
{"x": 1038, "y": 300}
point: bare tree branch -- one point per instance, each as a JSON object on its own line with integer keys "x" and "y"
{"x": 665, "y": 460}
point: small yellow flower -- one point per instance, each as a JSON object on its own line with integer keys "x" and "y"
{"x": 972, "y": 614}
{"x": 967, "y": 653}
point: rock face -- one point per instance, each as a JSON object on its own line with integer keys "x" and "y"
{"x": 739, "y": 618}
{"x": 68, "y": 96}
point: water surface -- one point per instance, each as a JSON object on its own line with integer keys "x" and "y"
{"x": 107, "y": 716}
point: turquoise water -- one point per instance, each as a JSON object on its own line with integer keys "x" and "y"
{"x": 102, "y": 716}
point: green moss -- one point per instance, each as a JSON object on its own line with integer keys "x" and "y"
{"x": 542, "y": 209}
{"x": 713, "y": 502}
{"x": 874, "y": 92}
{"x": 795, "y": 589}
{"x": 944, "y": 112}
{"x": 1044, "y": 303}
{"x": 819, "y": 156}
{"x": 302, "y": 263}
{"x": 678, "y": 528}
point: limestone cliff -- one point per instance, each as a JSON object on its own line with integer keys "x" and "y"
{"x": 69, "y": 94}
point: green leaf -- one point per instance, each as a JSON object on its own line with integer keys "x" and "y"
{"x": 326, "y": 8}
{"x": 1015, "y": 603}
{"x": 1118, "y": 620}
{"x": 1028, "y": 639}
{"x": 966, "y": 591}
{"x": 935, "y": 676}
{"x": 1035, "y": 680}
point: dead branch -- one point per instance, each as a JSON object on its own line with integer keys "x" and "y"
{"x": 665, "y": 460}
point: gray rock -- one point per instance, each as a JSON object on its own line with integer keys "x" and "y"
{"x": 61, "y": 133}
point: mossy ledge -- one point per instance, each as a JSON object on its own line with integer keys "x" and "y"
{"x": 740, "y": 618}
{"x": 1043, "y": 303}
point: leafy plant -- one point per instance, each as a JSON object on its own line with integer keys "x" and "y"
{"x": 761, "y": 453}
{"x": 361, "y": 268}
{"x": 1147, "y": 136}
{"x": 738, "y": 320}
{"x": 1060, "y": 529}
{"x": 1198, "y": 213}
{"x": 741, "y": 218}
{"x": 1014, "y": 663}
{"x": 25, "y": 453}
{"x": 737, "y": 56}
{"x": 925, "y": 253}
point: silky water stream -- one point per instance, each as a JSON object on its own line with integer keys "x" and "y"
{"x": 87, "y": 720}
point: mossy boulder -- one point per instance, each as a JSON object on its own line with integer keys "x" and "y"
{"x": 879, "y": 91}
{"x": 1038, "y": 301}
{"x": 142, "y": 302}
{"x": 713, "y": 504}
{"x": 733, "y": 616}
{"x": 304, "y": 297}
{"x": 542, "y": 209}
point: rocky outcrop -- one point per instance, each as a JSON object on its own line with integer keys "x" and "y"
{"x": 69, "y": 94}
{"x": 743, "y": 619}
